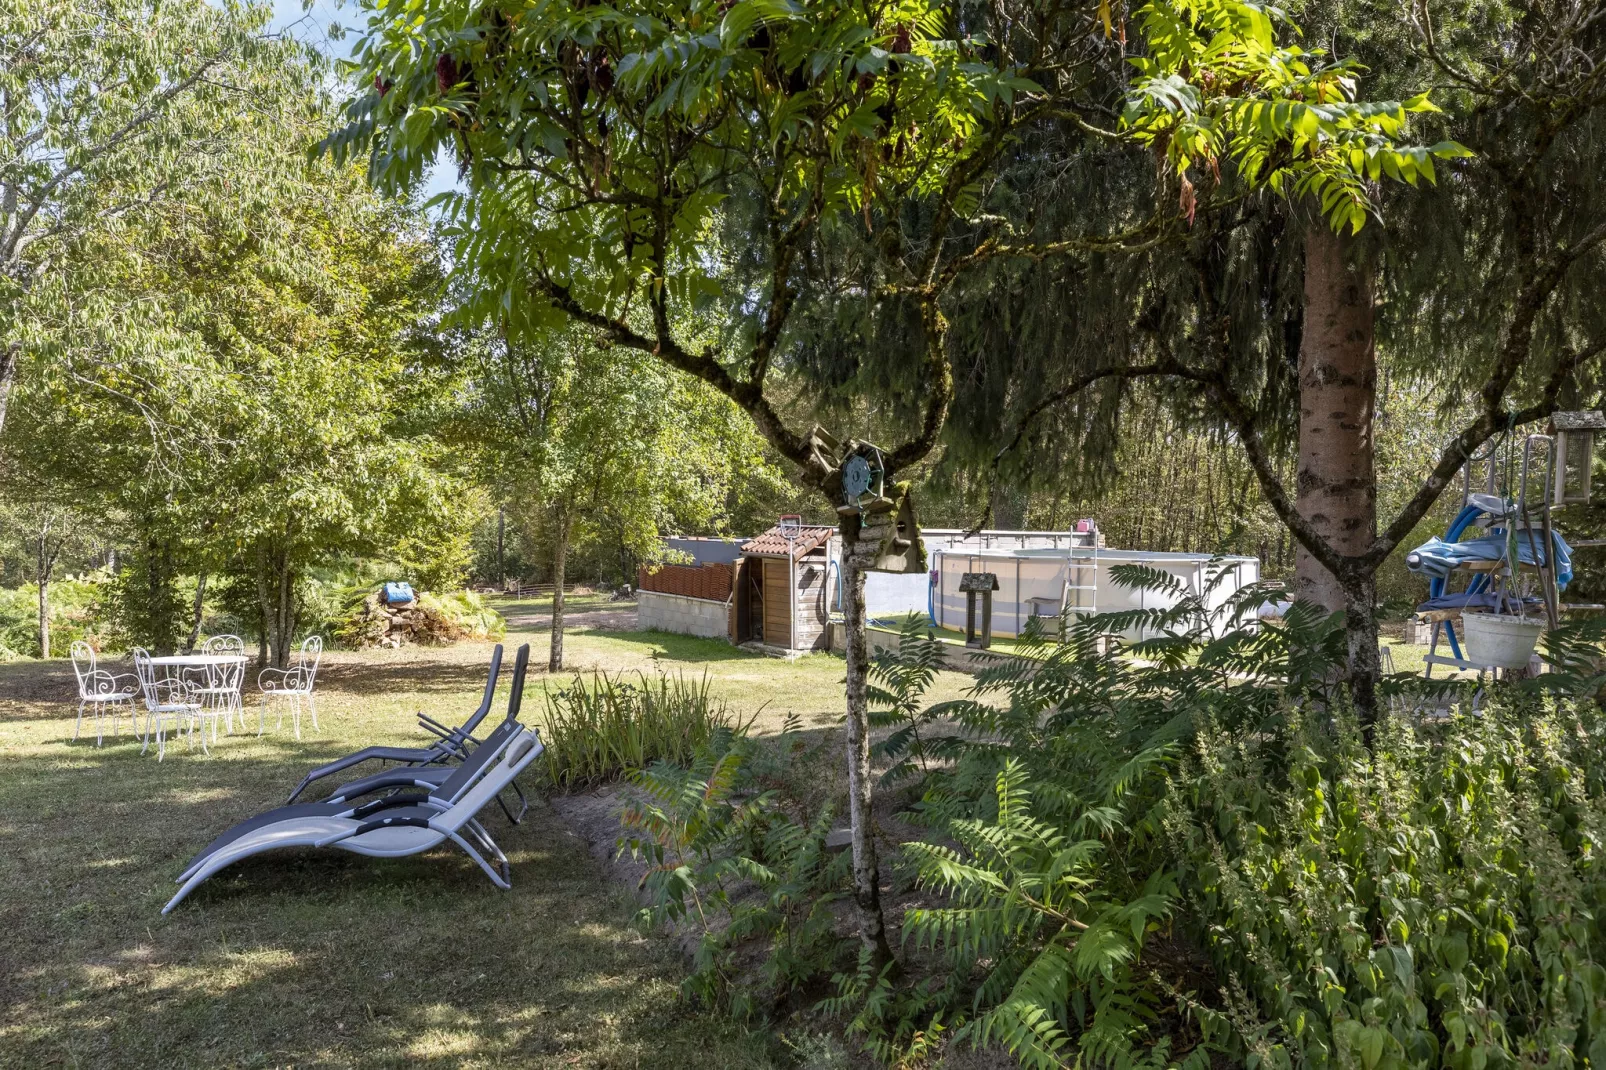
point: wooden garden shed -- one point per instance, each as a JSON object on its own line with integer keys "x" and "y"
{"x": 785, "y": 588}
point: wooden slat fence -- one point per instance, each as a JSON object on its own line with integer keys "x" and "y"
{"x": 711, "y": 581}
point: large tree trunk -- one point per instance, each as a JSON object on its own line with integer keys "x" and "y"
{"x": 264, "y": 612}
{"x": 195, "y": 615}
{"x": 1337, "y": 482}
{"x": 866, "y": 870}
{"x": 44, "y": 593}
{"x": 560, "y": 558}
{"x": 284, "y": 619}
{"x": 1337, "y": 479}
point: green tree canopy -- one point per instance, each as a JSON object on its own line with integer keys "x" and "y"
{"x": 239, "y": 380}
{"x": 109, "y": 107}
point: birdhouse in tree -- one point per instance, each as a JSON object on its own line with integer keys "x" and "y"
{"x": 893, "y": 525}
{"x": 888, "y": 533}
{"x": 1575, "y": 454}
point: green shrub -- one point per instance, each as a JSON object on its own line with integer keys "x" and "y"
{"x": 1433, "y": 902}
{"x": 729, "y": 861}
{"x": 602, "y": 729}
{"x": 1191, "y": 858}
{"x": 76, "y": 612}
{"x": 460, "y": 615}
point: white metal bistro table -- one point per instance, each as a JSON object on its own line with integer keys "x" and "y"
{"x": 196, "y": 661}
{"x": 177, "y": 663}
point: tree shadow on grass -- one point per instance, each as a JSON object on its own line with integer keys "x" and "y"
{"x": 421, "y": 673}
{"x": 671, "y": 646}
{"x": 41, "y": 681}
{"x": 44, "y": 690}
{"x": 307, "y": 956}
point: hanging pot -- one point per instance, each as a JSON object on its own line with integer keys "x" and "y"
{"x": 1499, "y": 641}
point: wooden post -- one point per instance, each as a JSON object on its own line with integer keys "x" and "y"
{"x": 984, "y": 584}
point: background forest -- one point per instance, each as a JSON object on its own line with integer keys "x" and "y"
{"x": 241, "y": 381}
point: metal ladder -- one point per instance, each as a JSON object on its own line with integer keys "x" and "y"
{"x": 1085, "y": 595}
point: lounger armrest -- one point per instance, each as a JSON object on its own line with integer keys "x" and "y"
{"x": 429, "y": 724}
{"x": 392, "y": 823}
{"x": 367, "y": 810}
{"x": 453, "y": 739}
{"x": 446, "y": 732}
{"x": 373, "y": 826}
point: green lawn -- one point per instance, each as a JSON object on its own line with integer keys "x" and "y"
{"x": 328, "y": 958}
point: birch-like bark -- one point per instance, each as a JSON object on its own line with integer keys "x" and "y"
{"x": 866, "y": 870}
{"x": 1337, "y": 480}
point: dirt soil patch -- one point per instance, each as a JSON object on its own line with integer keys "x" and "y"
{"x": 614, "y": 618}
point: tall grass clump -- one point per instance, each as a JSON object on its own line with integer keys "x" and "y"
{"x": 602, "y": 727}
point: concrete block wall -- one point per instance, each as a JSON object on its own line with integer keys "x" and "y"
{"x": 956, "y": 657}
{"x": 682, "y": 615}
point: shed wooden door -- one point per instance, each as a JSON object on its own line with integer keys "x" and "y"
{"x": 742, "y": 602}
{"x": 777, "y": 604}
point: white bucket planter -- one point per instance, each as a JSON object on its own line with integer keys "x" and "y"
{"x": 1503, "y": 642}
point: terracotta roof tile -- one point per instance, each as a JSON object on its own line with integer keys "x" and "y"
{"x": 773, "y": 543}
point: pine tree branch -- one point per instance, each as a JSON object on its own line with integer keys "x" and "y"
{"x": 786, "y": 245}
{"x": 1157, "y": 369}
{"x": 940, "y": 381}
{"x": 1152, "y": 232}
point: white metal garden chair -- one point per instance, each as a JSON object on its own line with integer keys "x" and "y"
{"x": 109, "y": 693}
{"x": 217, "y": 687}
{"x": 168, "y": 701}
{"x": 293, "y": 685}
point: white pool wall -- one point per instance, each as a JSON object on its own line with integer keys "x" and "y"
{"x": 1042, "y": 573}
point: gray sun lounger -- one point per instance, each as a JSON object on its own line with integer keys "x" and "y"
{"x": 393, "y": 827}
{"x": 432, "y": 777}
{"x": 453, "y": 742}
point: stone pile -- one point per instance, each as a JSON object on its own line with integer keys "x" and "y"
{"x": 378, "y": 624}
